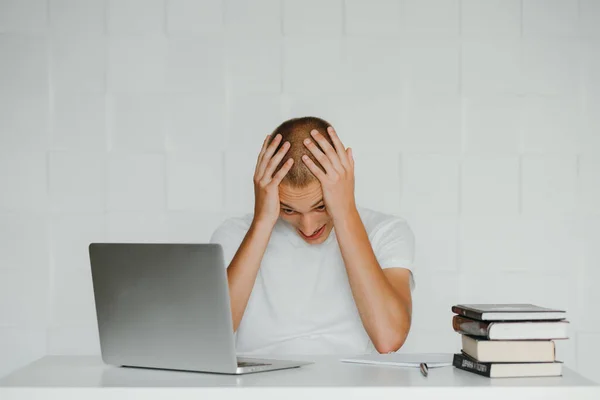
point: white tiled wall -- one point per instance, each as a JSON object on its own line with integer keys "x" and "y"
{"x": 140, "y": 120}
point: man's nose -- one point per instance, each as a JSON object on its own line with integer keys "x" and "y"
{"x": 308, "y": 225}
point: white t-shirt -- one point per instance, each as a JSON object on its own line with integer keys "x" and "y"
{"x": 301, "y": 302}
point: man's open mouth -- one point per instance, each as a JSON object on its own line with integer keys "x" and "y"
{"x": 315, "y": 234}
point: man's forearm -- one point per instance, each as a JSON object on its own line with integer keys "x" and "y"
{"x": 384, "y": 315}
{"x": 242, "y": 272}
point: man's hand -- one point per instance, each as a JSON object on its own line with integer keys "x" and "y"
{"x": 337, "y": 181}
{"x": 266, "y": 185}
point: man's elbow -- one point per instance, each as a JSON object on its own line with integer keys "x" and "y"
{"x": 391, "y": 343}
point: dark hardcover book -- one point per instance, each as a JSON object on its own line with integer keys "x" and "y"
{"x": 508, "y": 312}
{"x": 506, "y": 370}
{"x": 510, "y": 330}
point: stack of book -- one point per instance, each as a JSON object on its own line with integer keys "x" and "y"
{"x": 509, "y": 340}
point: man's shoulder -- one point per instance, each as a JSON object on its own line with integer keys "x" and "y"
{"x": 376, "y": 220}
{"x": 244, "y": 220}
{"x": 233, "y": 226}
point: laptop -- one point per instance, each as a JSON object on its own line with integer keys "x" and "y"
{"x": 167, "y": 306}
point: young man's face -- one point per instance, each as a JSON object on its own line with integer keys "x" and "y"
{"x": 304, "y": 209}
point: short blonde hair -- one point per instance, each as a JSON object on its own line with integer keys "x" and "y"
{"x": 295, "y": 130}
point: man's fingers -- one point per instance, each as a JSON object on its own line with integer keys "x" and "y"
{"x": 339, "y": 147}
{"x": 278, "y": 177}
{"x": 313, "y": 168}
{"x": 322, "y": 158}
{"x": 275, "y": 160}
{"x": 267, "y": 156}
{"x": 350, "y": 156}
{"x": 261, "y": 153}
{"x": 330, "y": 152}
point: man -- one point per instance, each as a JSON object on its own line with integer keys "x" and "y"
{"x": 309, "y": 271}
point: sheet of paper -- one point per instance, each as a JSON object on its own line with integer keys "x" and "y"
{"x": 432, "y": 360}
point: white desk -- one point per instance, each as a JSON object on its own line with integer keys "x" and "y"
{"x": 87, "y": 377}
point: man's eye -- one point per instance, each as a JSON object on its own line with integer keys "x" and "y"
{"x": 287, "y": 211}
{"x": 321, "y": 208}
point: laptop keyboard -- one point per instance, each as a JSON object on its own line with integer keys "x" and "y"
{"x": 249, "y": 364}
